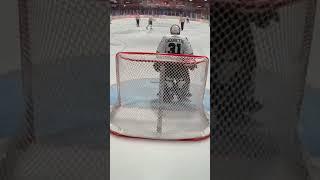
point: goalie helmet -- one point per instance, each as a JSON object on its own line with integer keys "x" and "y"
{"x": 175, "y": 30}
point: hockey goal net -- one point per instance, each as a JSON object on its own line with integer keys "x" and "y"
{"x": 160, "y": 96}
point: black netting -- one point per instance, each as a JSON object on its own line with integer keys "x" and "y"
{"x": 63, "y": 131}
{"x": 259, "y": 57}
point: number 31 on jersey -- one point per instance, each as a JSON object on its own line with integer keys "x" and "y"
{"x": 174, "y": 48}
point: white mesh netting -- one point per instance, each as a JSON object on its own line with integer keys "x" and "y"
{"x": 160, "y": 96}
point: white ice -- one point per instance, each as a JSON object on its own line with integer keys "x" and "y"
{"x": 125, "y": 36}
{"x": 141, "y": 159}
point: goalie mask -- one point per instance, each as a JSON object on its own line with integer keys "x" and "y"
{"x": 175, "y": 30}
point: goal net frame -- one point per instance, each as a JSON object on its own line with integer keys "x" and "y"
{"x": 161, "y": 58}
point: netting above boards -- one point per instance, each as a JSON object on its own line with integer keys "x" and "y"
{"x": 258, "y": 62}
{"x": 63, "y": 132}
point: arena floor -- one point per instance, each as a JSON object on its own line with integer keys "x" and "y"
{"x": 143, "y": 159}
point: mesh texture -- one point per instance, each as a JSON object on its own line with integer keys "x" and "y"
{"x": 160, "y": 96}
{"x": 63, "y": 57}
{"x": 259, "y": 55}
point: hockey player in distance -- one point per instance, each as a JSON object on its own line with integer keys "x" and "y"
{"x": 150, "y": 20}
{"x": 182, "y": 21}
{"x": 138, "y": 20}
{"x": 174, "y": 77}
{"x": 188, "y": 19}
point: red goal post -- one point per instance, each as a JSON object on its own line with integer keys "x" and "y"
{"x": 183, "y": 58}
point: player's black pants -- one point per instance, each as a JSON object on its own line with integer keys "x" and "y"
{"x": 176, "y": 73}
{"x": 149, "y": 24}
{"x": 138, "y": 22}
{"x": 182, "y": 26}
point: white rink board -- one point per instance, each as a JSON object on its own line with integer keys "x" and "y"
{"x": 143, "y": 159}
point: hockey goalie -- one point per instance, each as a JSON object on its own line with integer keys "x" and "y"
{"x": 174, "y": 76}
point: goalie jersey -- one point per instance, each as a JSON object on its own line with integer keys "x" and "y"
{"x": 175, "y": 44}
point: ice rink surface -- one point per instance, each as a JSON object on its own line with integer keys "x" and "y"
{"x": 125, "y": 36}
{"x": 143, "y": 159}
